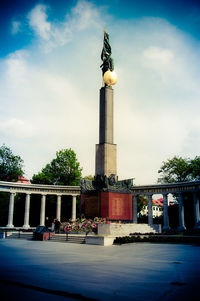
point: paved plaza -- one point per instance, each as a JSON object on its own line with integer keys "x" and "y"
{"x": 34, "y": 270}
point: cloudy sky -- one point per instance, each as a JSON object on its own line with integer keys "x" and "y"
{"x": 50, "y": 80}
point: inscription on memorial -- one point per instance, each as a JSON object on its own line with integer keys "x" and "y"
{"x": 117, "y": 207}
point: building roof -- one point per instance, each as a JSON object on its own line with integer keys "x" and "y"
{"x": 23, "y": 180}
{"x": 158, "y": 202}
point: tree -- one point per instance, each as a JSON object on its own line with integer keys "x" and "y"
{"x": 89, "y": 177}
{"x": 63, "y": 170}
{"x": 11, "y": 166}
{"x": 141, "y": 203}
{"x": 195, "y": 168}
{"x": 176, "y": 169}
{"x": 180, "y": 169}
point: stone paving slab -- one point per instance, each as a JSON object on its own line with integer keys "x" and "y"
{"x": 127, "y": 272}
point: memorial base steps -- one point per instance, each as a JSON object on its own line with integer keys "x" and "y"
{"x": 70, "y": 238}
{"x": 18, "y": 235}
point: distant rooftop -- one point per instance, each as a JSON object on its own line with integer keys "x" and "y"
{"x": 23, "y": 180}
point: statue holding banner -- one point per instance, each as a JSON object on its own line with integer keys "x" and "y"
{"x": 108, "y": 63}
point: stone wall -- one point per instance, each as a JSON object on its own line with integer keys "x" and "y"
{"x": 125, "y": 229}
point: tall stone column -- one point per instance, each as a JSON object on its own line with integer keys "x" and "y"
{"x": 196, "y": 211}
{"x": 106, "y": 158}
{"x": 11, "y": 210}
{"x": 27, "y": 211}
{"x": 73, "y": 207}
{"x": 42, "y": 210}
{"x": 165, "y": 212}
{"x": 135, "y": 209}
{"x": 106, "y": 116}
{"x": 181, "y": 212}
{"x": 150, "y": 216}
{"x": 58, "y": 207}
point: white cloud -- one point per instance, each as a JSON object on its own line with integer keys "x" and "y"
{"x": 85, "y": 15}
{"x": 38, "y": 21}
{"x": 17, "y": 68}
{"x": 48, "y": 33}
{"x": 17, "y": 128}
{"x": 155, "y": 54}
{"x": 16, "y": 27}
{"x": 52, "y": 34}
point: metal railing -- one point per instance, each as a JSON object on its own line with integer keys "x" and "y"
{"x": 58, "y": 237}
{"x": 16, "y": 234}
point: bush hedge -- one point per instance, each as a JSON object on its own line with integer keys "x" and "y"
{"x": 158, "y": 239}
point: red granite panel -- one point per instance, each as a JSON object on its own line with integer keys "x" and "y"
{"x": 104, "y": 204}
{"x": 116, "y": 206}
{"x": 90, "y": 204}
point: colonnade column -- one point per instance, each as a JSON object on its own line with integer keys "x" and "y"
{"x": 11, "y": 210}
{"x": 135, "y": 209}
{"x": 58, "y": 207}
{"x": 42, "y": 210}
{"x": 165, "y": 212}
{"x": 196, "y": 211}
{"x": 181, "y": 212}
{"x": 26, "y": 212}
{"x": 150, "y": 216}
{"x": 73, "y": 207}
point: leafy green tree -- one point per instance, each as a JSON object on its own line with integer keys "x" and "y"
{"x": 177, "y": 169}
{"x": 89, "y": 177}
{"x": 180, "y": 169}
{"x": 141, "y": 203}
{"x": 195, "y": 168}
{"x": 11, "y": 166}
{"x": 63, "y": 170}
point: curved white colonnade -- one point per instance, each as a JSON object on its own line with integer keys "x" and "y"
{"x": 43, "y": 190}
{"x": 165, "y": 189}
{"x": 74, "y": 191}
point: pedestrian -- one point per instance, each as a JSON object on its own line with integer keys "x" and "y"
{"x": 53, "y": 226}
{"x": 57, "y": 225}
{"x": 47, "y": 222}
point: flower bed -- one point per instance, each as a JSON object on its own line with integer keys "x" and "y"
{"x": 83, "y": 225}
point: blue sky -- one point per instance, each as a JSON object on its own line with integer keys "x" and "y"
{"x": 50, "y": 80}
{"x": 185, "y": 15}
